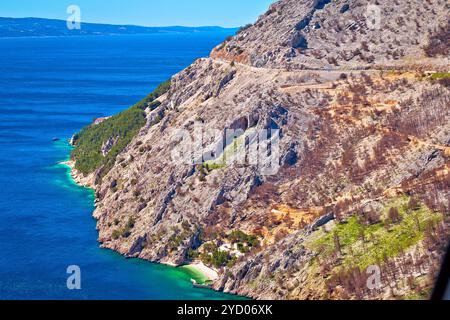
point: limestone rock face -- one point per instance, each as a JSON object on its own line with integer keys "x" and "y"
{"x": 305, "y": 34}
{"x": 351, "y": 138}
{"x": 108, "y": 145}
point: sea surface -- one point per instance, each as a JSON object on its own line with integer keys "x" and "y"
{"x": 50, "y": 88}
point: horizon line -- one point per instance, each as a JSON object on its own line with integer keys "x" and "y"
{"x": 125, "y": 25}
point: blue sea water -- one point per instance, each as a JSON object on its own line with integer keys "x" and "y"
{"x": 51, "y": 88}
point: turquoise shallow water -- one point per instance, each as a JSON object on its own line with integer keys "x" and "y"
{"x": 52, "y": 87}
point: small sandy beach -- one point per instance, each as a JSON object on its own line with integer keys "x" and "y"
{"x": 202, "y": 272}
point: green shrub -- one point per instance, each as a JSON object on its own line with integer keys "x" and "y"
{"x": 150, "y": 100}
{"x": 213, "y": 166}
{"x": 116, "y": 234}
{"x": 239, "y": 237}
{"x": 186, "y": 225}
{"x": 125, "y": 126}
{"x": 130, "y": 223}
{"x": 124, "y": 232}
{"x": 220, "y": 258}
{"x": 209, "y": 247}
{"x": 216, "y": 258}
{"x": 192, "y": 254}
{"x": 440, "y": 75}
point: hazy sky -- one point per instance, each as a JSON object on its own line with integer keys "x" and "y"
{"x": 228, "y": 13}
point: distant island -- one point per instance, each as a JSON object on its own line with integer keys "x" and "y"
{"x": 38, "y": 27}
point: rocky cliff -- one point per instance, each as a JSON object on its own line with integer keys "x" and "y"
{"x": 355, "y": 98}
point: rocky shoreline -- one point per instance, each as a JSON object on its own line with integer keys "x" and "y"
{"x": 89, "y": 182}
{"x": 78, "y": 177}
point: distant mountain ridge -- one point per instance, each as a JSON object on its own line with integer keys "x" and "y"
{"x": 38, "y": 27}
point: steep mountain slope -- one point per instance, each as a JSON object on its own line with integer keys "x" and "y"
{"x": 337, "y": 34}
{"x": 363, "y": 151}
